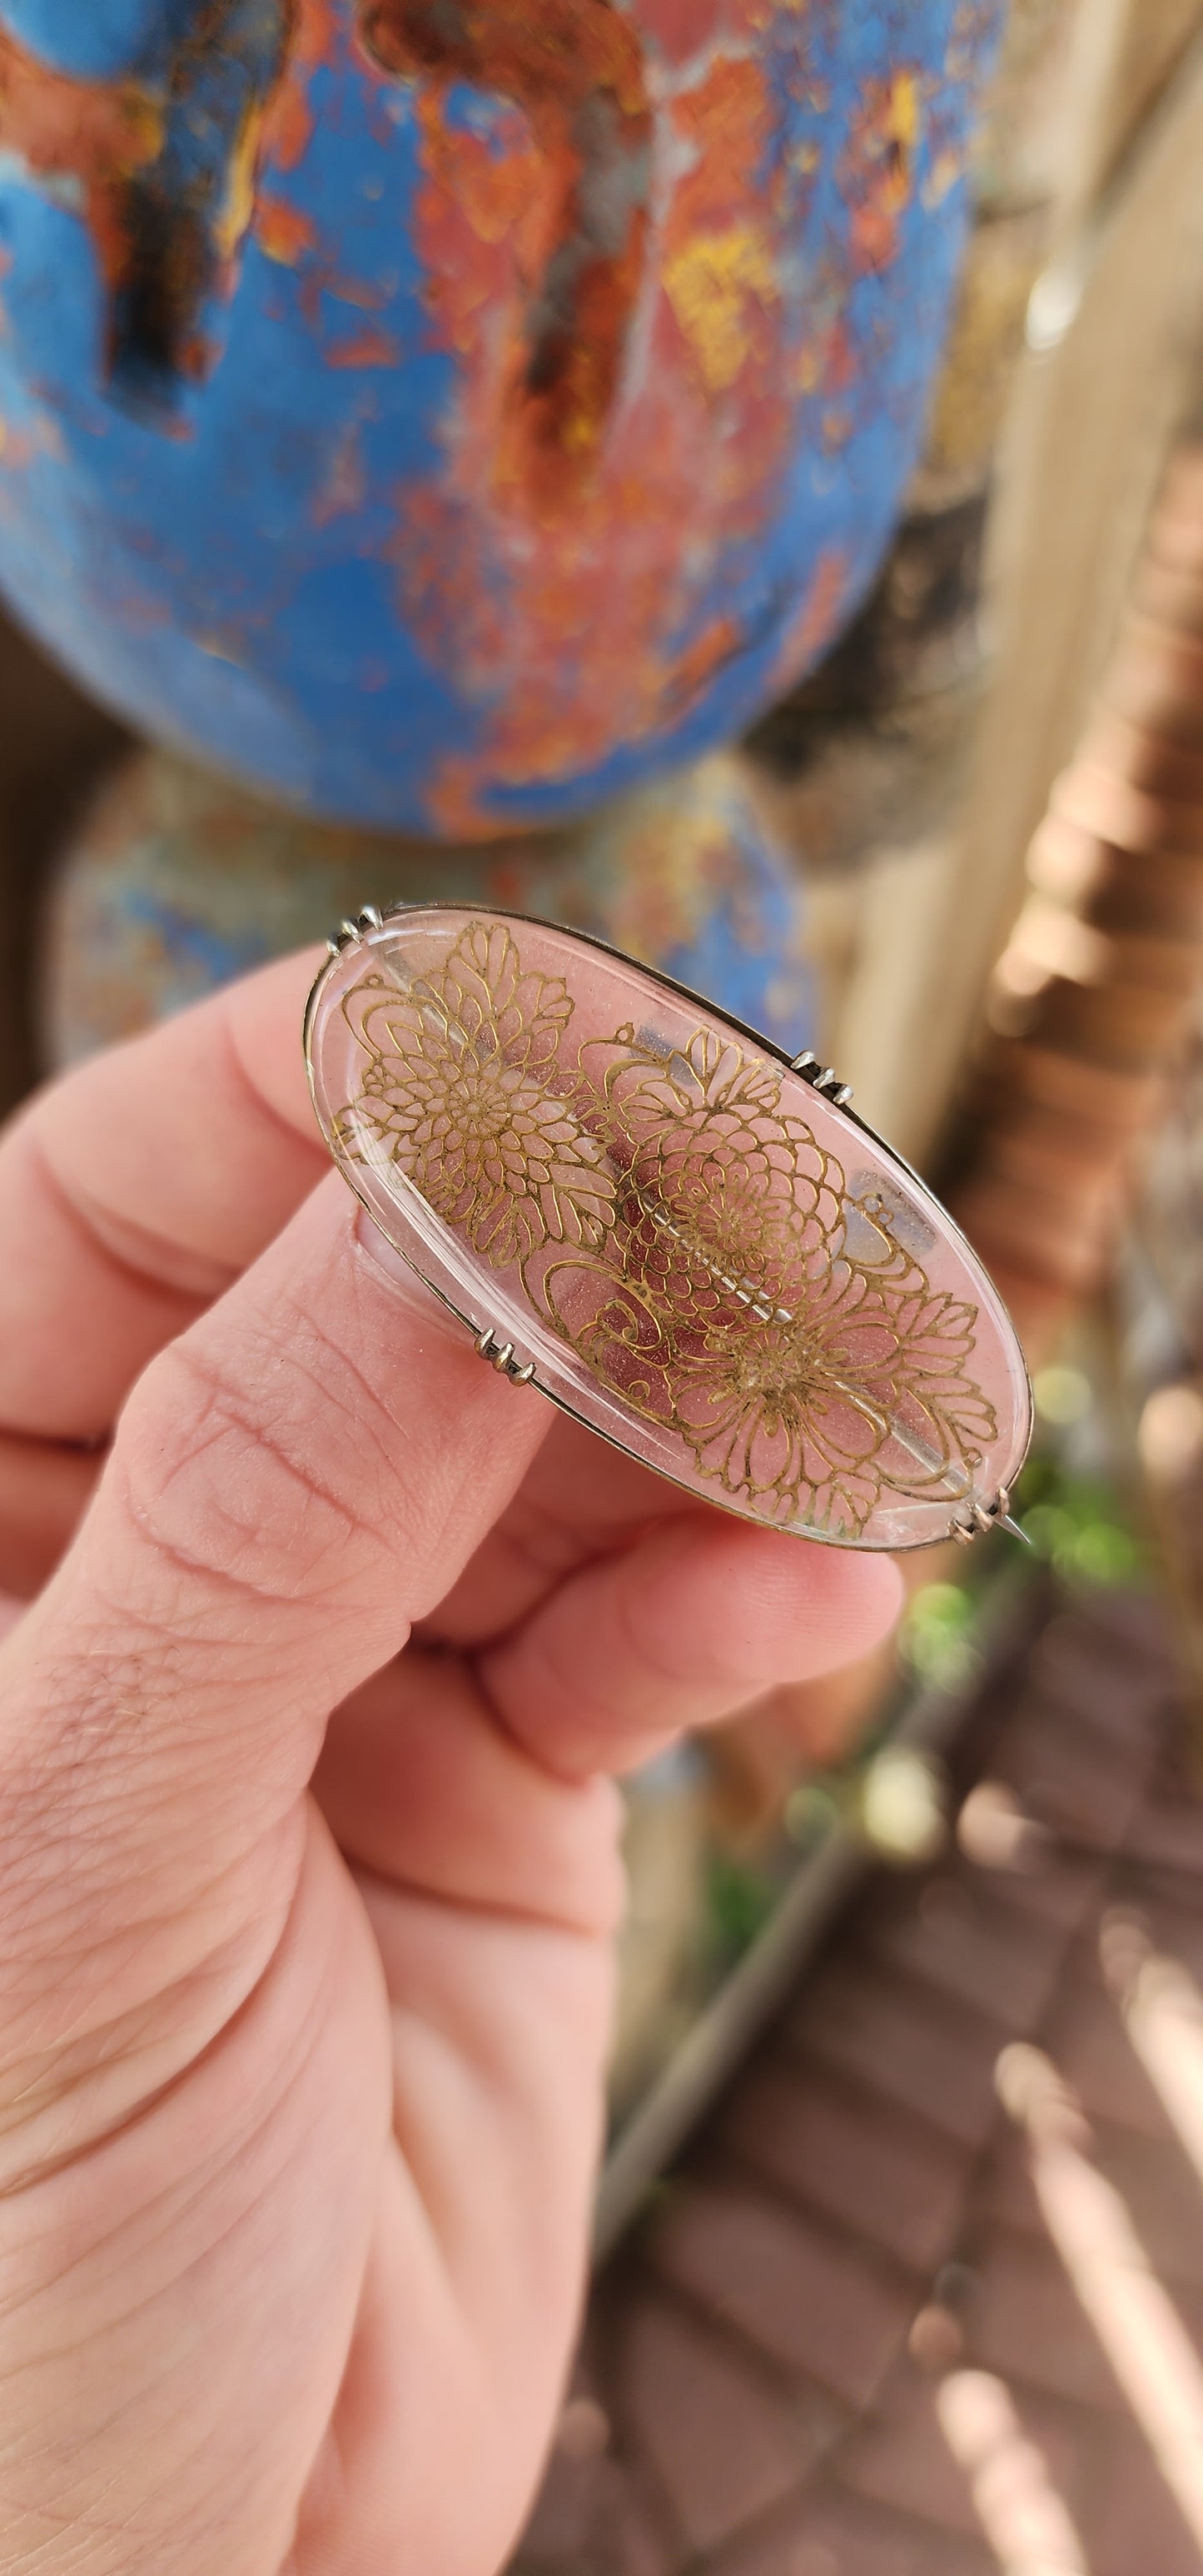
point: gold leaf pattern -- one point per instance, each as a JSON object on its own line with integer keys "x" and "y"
{"x": 673, "y": 1220}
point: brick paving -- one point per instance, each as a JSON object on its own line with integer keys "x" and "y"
{"x": 889, "y": 2316}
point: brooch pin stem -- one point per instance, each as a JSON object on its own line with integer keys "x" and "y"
{"x": 985, "y": 1517}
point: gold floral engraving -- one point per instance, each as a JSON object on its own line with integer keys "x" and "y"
{"x": 457, "y": 1094}
{"x": 674, "y": 1221}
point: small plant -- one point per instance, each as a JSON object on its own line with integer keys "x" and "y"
{"x": 1076, "y": 1525}
{"x": 937, "y": 1635}
{"x": 741, "y": 1899}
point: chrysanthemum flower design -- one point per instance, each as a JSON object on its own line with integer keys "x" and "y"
{"x": 805, "y": 1383}
{"x": 766, "y": 1418}
{"x": 859, "y": 1394}
{"x": 457, "y": 1093}
{"x": 934, "y": 1399}
{"x": 720, "y": 1177}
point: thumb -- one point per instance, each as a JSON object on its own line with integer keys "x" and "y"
{"x": 294, "y": 1481}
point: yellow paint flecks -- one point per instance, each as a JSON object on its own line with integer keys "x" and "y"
{"x": 946, "y": 172}
{"x": 906, "y": 111}
{"x": 710, "y": 284}
{"x": 235, "y": 219}
{"x": 146, "y": 130}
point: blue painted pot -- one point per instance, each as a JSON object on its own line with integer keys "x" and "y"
{"x": 446, "y": 416}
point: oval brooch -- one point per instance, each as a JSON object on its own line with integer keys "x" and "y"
{"x": 689, "y": 1243}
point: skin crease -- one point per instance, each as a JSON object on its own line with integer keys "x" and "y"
{"x": 308, "y": 1853}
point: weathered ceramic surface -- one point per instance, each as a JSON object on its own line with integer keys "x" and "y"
{"x": 176, "y": 882}
{"x": 446, "y": 415}
{"x": 669, "y": 1229}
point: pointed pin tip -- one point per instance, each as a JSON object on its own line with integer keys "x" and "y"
{"x": 1013, "y": 1530}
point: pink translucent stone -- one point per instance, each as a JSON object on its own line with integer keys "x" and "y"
{"x": 689, "y": 1247}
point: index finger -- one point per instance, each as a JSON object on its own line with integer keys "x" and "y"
{"x": 134, "y": 1190}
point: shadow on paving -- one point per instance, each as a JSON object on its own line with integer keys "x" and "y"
{"x": 926, "y": 2297}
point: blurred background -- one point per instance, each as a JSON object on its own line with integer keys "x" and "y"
{"x": 902, "y": 2217}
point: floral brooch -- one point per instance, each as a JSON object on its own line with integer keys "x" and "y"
{"x": 688, "y": 1242}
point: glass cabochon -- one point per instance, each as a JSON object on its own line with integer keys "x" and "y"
{"x": 690, "y": 1247}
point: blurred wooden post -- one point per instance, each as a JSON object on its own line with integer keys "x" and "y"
{"x": 1112, "y": 340}
{"x": 52, "y": 747}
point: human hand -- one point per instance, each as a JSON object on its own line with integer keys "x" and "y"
{"x": 303, "y": 2015}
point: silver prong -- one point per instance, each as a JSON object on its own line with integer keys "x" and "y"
{"x": 503, "y": 1357}
{"x": 350, "y": 930}
{"x": 370, "y": 919}
{"x": 335, "y": 947}
{"x": 805, "y": 1064}
{"x": 963, "y": 1534}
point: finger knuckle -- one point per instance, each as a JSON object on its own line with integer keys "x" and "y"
{"x": 253, "y": 1478}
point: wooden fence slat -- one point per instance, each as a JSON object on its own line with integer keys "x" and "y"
{"x": 1098, "y": 399}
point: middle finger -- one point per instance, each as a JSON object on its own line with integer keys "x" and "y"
{"x": 582, "y": 1499}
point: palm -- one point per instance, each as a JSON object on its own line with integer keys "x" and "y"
{"x": 444, "y": 2134}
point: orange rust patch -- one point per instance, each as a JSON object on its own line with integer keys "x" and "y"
{"x": 574, "y": 69}
{"x": 101, "y": 136}
{"x": 163, "y": 241}
{"x": 368, "y": 349}
{"x": 503, "y": 583}
{"x": 313, "y": 40}
{"x": 82, "y": 129}
{"x": 680, "y": 28}
{"x": 816, "y": 619}
{"x": 282, "y": 231}
{"x": 696, "y": 666}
